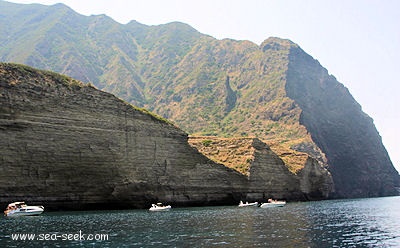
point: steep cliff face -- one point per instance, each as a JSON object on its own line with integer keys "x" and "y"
{"x": 316, "y": 182}
{"x": 227, "y": 88}
{"x": 358, "y": 161}
{"x": 69, "y": 145}
{"x": 268, "y": 175}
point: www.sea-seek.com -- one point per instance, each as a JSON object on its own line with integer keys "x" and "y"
{"x": 56, "y": 236}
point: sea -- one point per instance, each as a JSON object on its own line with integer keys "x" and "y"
{"x": 370, "y": 222}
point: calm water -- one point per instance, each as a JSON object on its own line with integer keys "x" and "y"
{"x": 345, "y": 223}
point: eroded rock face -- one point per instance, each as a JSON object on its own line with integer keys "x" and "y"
{"x": 70, "y": 146}
{"x": 67, "y": 145}
{"x": 315, "y": 181}
{"x": 358, "y": 161}
{"x": 267, "y": 173}
{"x": 273, "y": 91}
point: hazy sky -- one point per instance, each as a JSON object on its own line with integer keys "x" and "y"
{"x": 358, "y": 41}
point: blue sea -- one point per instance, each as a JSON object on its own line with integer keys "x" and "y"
{"x": 373, "y": 222}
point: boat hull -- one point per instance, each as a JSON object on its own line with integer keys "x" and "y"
{"x": 273, "y": 204}
{"x": 155, "y": 208}
{"x": 160, "y": 209}
{"x": 254, "y": 204}
{"x": 32, "y": 211}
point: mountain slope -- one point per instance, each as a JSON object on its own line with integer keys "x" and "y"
{"x": 228, "y": 88}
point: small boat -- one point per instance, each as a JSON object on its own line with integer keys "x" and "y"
{"x": 273, "y": 203}
{"x": 159, "y": 207}
{"x": 21, "y": 209}
{"x": 247, "y": 204}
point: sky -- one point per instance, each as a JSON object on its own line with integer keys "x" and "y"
{"x": 358, "y": 41}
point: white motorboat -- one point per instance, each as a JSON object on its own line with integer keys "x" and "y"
{"x": 159, "y": 207}
{"x": 273, "y": 203}
{"x": 21, "y": 209}
{"x": 247, "y": 204}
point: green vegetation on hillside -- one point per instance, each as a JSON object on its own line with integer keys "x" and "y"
{"x": 273, "y": 91}
{"x": 205, "y": 86}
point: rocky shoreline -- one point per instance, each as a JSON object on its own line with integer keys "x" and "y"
{"x": 68, "y": 145}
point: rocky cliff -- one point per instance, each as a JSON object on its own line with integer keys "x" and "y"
{"x": 273, "y": 91}
{"x": 359, "y": 163}
{"x": 268, "y": 175}
{"x": 68, "y": 145}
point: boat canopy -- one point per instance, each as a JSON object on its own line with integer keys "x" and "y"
{"x": 16, "y": 204}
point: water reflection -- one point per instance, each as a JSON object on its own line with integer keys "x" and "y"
{"x": 348, "y": 223}
{"x": 354, "y": 223}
